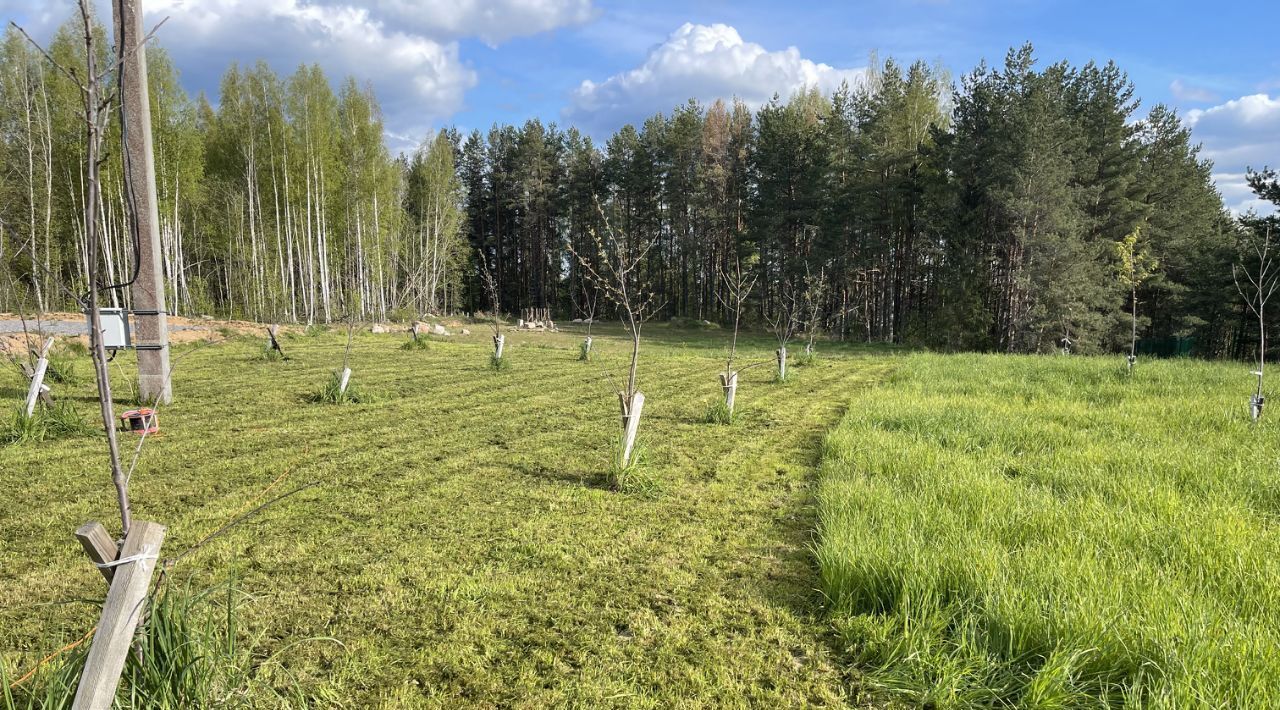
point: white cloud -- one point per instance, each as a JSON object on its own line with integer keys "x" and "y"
{"x": 344, "y": 39}
{"x": 704, "y": 62}
{"x": 1240, "y": 133}
{"x": 1188, "y": 92}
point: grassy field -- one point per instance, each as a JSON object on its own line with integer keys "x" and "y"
{"x": 462, "y": 547}
{"x": 883, "y": 529}
{"x": 1044, "y": 532}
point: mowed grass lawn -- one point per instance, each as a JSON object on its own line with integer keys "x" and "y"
{"x": 462, "y": 547}
{"x": 1044, "y": 532}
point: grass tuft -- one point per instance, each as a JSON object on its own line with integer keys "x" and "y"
{"x": 331, "y": 392}
{"x": 498, "y": 364}
{"x": 270, "y": 354}
{"x": 416, "y": 345}
{"x": 584, "y": 355}
{"x": 718, "y": 413}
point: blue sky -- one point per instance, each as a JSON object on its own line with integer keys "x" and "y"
{"x": 600, "y": 63}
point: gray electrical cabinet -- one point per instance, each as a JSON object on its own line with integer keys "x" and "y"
{"x": 115, "y": 328}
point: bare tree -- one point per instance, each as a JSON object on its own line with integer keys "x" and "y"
{"x": 620, "y": 280}
{"x": 1262, "y": 281}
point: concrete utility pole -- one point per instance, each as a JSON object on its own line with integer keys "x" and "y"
{"x": 151, "y": 326}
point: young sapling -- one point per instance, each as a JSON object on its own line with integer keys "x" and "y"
{"x": 1263, "y": 279}
{"x": 1136, "y": 265}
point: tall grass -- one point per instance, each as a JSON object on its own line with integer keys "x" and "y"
{"x": 1044, "y": 532}
{"x": 60, "y": 421}
{"x": 189, "y": 653}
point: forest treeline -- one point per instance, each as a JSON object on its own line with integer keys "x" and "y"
{"x": 983, "y": 214}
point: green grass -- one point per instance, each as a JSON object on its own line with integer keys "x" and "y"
{"x": 464, "y": 544}
{"x": 1045, "y": 532}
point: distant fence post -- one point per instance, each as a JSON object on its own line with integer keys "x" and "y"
{"x": 121, "y": 612}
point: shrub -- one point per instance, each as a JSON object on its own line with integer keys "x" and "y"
{"x": 498, "y": 363}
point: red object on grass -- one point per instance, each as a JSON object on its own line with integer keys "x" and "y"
{"x": 140, "y": 421}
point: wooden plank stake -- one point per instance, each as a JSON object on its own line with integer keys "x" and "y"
{"x": 37, "y": 378}
{"x": 121, "y": 613}
{"x": 98, "y": 545}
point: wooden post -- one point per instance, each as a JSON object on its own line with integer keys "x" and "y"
{"x": 730, "y": 384}
{"x": 151, "y": 322}
{"x": 413, "y": 330}
{"x": 630, "y": 423}
{"x": 37, "y": 378}
{"x": 98, "y": 545}
{"x": 121, "y": 613}
{"x": 346, "y": 379}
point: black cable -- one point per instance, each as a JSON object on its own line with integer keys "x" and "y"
{"x": 121, "y": 46}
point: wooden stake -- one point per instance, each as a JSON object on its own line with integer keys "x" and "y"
{"x": 37, "y": 378}
{"x": 121, "y": 613}
{"x": 98, "y": 545}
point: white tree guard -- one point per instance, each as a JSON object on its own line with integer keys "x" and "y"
{"x": 630, "y": 423}
{"x": 346, "y": 379}
{"x": 730, "y": 385}
{"x": 782, "y": 363}
{"x": 498, "y": 342}
{"x": 37, "y": 378}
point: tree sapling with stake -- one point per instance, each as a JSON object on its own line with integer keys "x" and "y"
{"x": 1263, "y": 278}
{"x": 495, "y": 320}
{"x": 620, "y": 279}
{"x": 590, "y": 298}
{"x": 815, "y": 294}
{"x": 738, "y": 286}
{"x": 1136, "y": 265}
{"x": 783, "y": 322}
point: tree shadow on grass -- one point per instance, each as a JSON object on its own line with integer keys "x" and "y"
{"x": 598, "y": 480}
